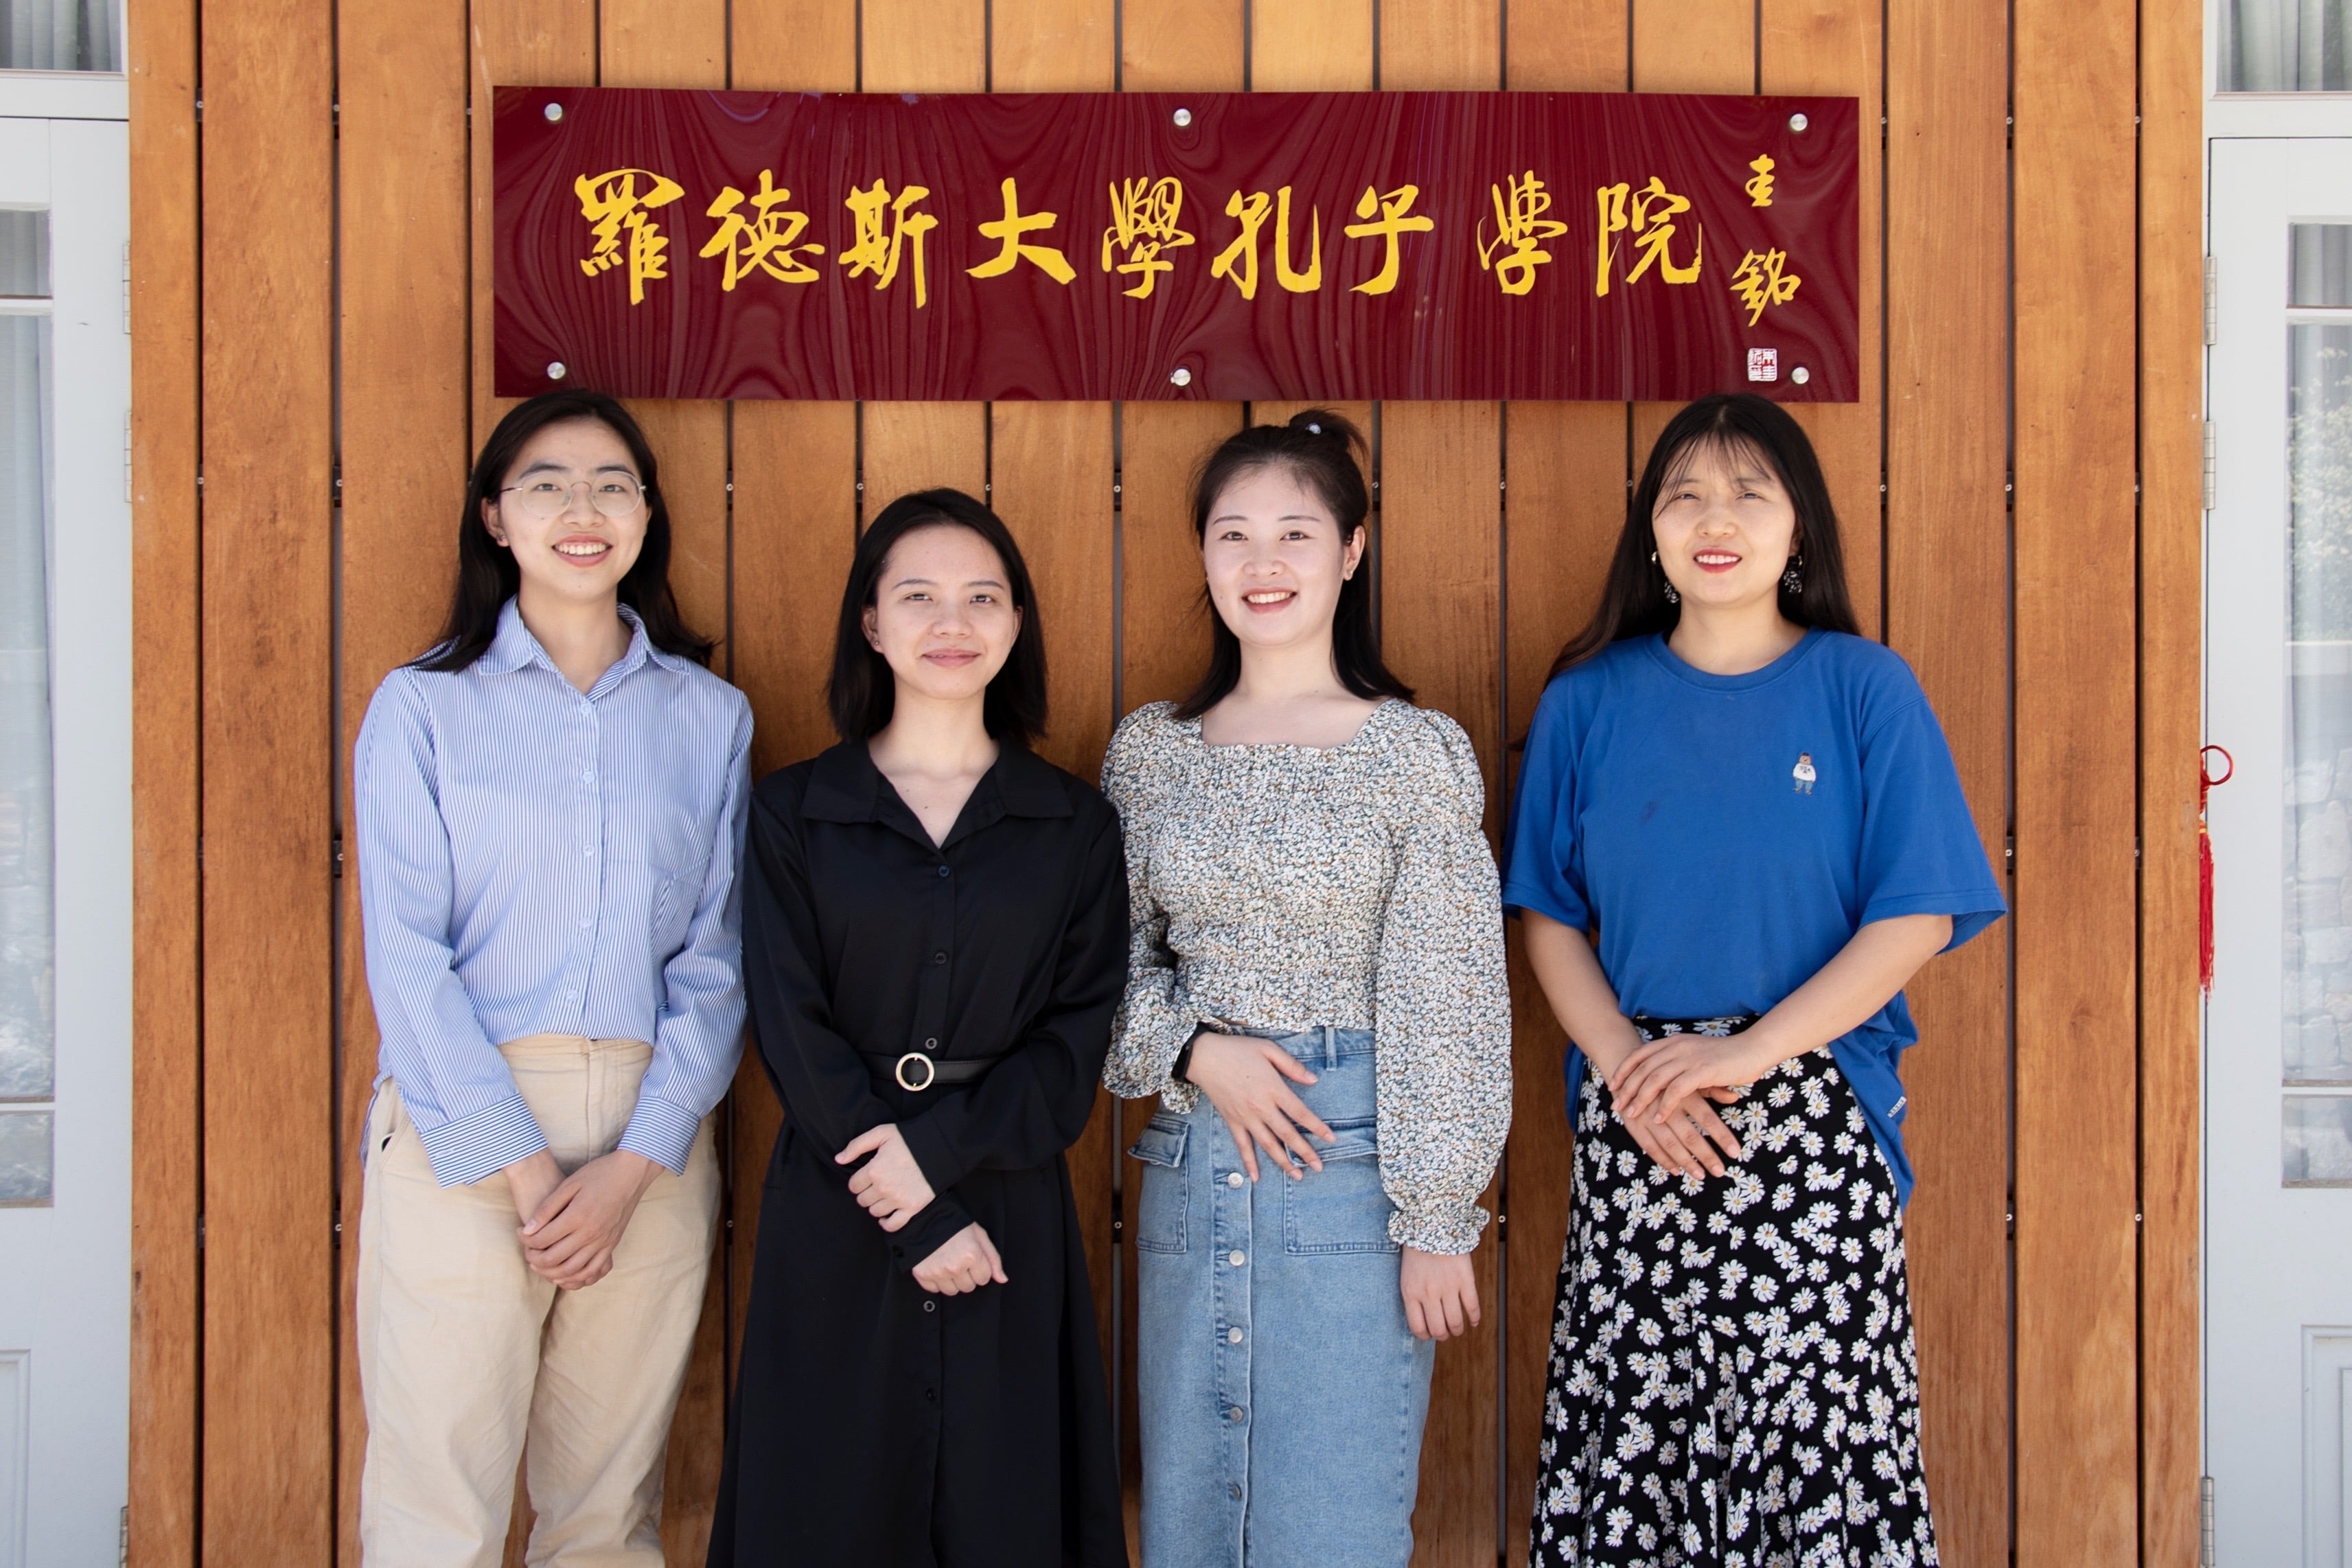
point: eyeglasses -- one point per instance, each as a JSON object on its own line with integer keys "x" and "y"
{"x": 615, "y": 495}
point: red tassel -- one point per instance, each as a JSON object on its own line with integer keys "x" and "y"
{"x": 2205, "y": 783}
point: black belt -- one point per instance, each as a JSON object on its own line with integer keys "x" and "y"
{"x": 927, "y": 1072}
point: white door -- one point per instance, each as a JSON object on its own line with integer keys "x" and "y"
{"x": 65, "y": 820}
{"x": 2278, "y": 1089}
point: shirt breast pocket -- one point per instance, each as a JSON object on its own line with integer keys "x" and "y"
{"x": 1342, "y": 1208}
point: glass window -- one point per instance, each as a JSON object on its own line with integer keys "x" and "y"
{"x": 61, "y": 35}
{"x": 2285, "y": 46}
{"x": 27, "y": 940}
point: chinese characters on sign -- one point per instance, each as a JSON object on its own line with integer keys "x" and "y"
{"x": 1413, "y": 241}
{"x": 1144, "y": 215}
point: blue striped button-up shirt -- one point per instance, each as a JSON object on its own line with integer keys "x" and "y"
{"x": 535, "y": 861}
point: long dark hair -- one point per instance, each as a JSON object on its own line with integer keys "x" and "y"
{"x": 1633, "y": 601}
{"x": 486, "y": 575}
{"x": 1323, "y": 450}
{"x": 863, "y": 691}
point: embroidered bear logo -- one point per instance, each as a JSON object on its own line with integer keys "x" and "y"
{"x": 1804, "y": 773}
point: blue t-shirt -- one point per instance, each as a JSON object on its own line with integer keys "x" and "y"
{"x": 1730, "y": 834}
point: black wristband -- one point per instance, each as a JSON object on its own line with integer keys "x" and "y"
{"x": 1176, "y": 1071}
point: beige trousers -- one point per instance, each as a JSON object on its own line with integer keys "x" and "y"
{"x": 464, "y": 1353}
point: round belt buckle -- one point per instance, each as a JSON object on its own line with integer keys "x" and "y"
{"x": 930, "y": 1072}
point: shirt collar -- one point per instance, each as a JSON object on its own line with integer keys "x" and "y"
{"x": 514, "y": 647}
{"x": 845, "y": 786}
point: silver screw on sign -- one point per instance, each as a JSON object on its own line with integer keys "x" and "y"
{"x": 1800, "y": 375}
{"x": 555, "y": 112}
{"x": 555, "y": 370}
{"x": 1798, "y": 122}
{"x": 1181, "y": 376}
{"x": 1183, "y": 118}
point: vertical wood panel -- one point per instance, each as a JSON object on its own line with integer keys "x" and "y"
{"x": 268, "y": 755}
{"x": 1173, "y": 45}
{"x": 2077, "y": 1429}
{"x": 1834, "y": 47}
{"x": 1687, "y": 46}
{"x": 516, "y": 43}
{"x": 1565, "y": 467}
{"x": 1441, "y": 532}
{"x": 2171, "y": 351}
{"x": 1052, "y": 463}
{"x": 924, "y": 46}
{"x": 1164, "y": 618}
{"x": 683, "y": 43}
{"x": 1312, "y": 48}
{"x": 1050, "y": 478}
{"x": 1167, "y": 46}
{"x": 1053, "y": 45}
{"x": 166, "y": 1170}
{"x": 401, "y": 80}
{"x": 1694, "y": 46}
{"x": 795, "y": 527}
{"x": 1947, "y": 609}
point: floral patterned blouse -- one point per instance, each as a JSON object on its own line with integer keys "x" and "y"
{"x": 1275, "y": 888}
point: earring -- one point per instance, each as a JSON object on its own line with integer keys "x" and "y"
{"x": 1792, "y": 581}
{"x": 1672, "y": 597}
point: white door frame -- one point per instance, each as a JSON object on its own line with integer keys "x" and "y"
{"x": 2278, "y": 1298}
{"x": 64, "y": 1288}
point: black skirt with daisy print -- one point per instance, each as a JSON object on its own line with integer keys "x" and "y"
{"x": 1732, "y": 1382}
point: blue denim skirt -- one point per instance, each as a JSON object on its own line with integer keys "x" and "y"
{"x": 1282, "y": 1395}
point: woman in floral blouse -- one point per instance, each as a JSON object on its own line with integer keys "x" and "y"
{"x": 1317, "y": 994}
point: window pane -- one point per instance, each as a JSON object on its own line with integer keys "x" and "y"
{"x": 61, "y": 35}
{"x": 2285, "y": 46}
{"x": 24, "y": 254}
{"x": 27, "y": 1158}
{"x": 27, "y": 954}
{"x": 2319, "y": 273}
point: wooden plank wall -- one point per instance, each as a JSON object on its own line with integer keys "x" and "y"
{"x": 2024, "y": 447}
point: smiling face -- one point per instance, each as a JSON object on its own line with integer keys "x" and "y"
{"x": 580, "y": 555}
{"x": 1276, "y": 557}
{"x": 1725, "y": 528}
{"x": 943, "y": 615}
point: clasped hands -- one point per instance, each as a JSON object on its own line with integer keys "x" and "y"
{"x": 571, "y": 1225}
{"x": 891, "y": 1187}
{"x": 1665, "y": 1092}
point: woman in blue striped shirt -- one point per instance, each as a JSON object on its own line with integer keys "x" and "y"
{"x": 551, "y": 809}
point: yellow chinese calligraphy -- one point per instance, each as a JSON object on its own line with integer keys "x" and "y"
{"x": 1759, "y": 189}
{"x": 1009, "y": 229}
{"x": 1143, "y": 223}
{"x": 1520, "y": 224}
{"x": 1238, "y": 261}
{"x": 1392, "y": 223}
{"x": 1649, "y": 216}
{"x": 877, "y": 252}
{"x": 766, "y": 240}
{"x": 1760, "y": 282}
{"x": 612, "y": 203}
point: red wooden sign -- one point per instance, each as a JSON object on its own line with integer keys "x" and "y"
{"x": 1234, "y": 246}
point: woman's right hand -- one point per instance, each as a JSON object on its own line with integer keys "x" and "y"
{"x": 529, "y": 1180}
{"x": 1248, "y": 1080}
{"x": 1687, "y": 1138}
{"x": 965, "y": 1261}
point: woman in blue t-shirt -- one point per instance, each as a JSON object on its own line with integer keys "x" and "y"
{"x": 1738, "y": 833}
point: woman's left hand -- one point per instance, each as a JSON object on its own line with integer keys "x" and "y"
{"x": 570, "y": 1239}
{"x": 1441, "y": 1294}
{"x": 1668, "y": 1069}
{"x": 891, "y": 1186}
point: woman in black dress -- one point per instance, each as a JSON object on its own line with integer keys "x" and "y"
{"x": 935, "y": 941}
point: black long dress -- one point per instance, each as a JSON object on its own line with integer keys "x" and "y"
{"x": 876, "y": 1425}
